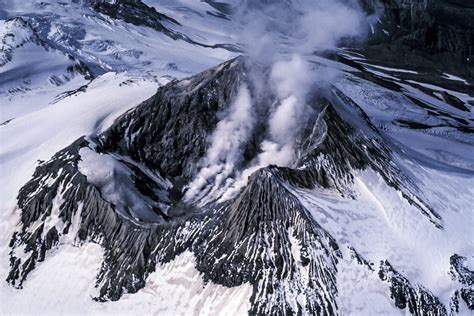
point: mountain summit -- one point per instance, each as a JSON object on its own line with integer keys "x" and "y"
{"x": 232, "y": 157}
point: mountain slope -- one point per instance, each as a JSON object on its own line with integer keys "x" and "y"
{"x": 147, "y": 169}
{"x": 441, "y": 31}
{"x": 266, "y": 236}
{"x": 30, "y": 67}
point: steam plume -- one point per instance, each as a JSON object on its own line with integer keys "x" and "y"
{"x": 282, "y": 34}
{"x": 225, "y": 150}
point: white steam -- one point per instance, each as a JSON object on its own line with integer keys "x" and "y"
{"x": 282, "y": 34}
{"x": 292, "y": 79}
{"x": 273, "y": 28}
{"x": 226, "y": 146}
{"x": 325, "y": 24}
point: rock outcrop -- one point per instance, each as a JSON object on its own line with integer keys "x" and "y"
{"x": 264, "y": 236}
{"x": 443, "y": 29}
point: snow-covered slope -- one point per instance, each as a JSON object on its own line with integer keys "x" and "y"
{"x": 108, "y": 44}
{"x": 288, "y": 182}
{"x": 31, "y": 70}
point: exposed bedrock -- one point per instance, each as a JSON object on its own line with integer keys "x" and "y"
{"x": 263, "y": 236}
{"x": 443, "y": 29}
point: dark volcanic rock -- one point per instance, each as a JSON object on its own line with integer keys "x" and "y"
{"x": 169, "y": 132}
{"x": 76, "y": 66}
{"x": 461, "y": 273}
{"x": 434, "y": 26}
{"x": 134, "y": 12}
{"x": 441, "y": 28}
{"x": 264, "y": 236}
{"x": 138, "y": 13}
{"x": 237, "y": 243}
{"x": 418, "y": 299}
{"x": 85, "y": 216}
{"x": 258, "y": 233}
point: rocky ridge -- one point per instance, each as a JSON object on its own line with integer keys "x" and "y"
{"x": 264, "y": 236}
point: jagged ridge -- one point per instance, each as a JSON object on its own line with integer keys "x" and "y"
{"x": 264, "y": 236}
